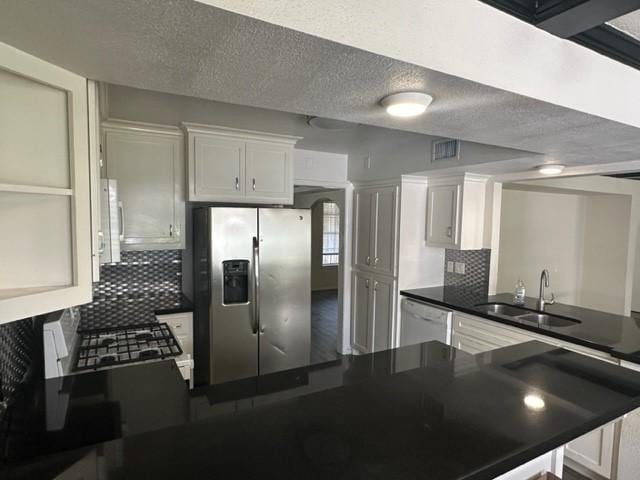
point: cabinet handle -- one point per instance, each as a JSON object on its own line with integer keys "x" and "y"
{"x": 375, "y": 286}
{"x": 367, "y": 260}
{"x": 102, "y": 244}
{"x": 170, "y": 230}
{"x": 254, "y": 184}
{"x": 376, "y": 260}
{"x": 449, "y": 232}
{"x": 121, "y": 208}
{"x": 237, "y": 183}
{"x": 366, "y": 283}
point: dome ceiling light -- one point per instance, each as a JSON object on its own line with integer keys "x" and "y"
{"x": 406, "y": 104}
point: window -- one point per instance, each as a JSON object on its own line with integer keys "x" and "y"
{"x": 330, "y": 234}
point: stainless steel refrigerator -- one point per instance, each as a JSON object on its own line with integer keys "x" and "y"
{"x": 252, "y": 274}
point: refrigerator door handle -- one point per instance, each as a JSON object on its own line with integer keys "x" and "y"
{"x": 256, "y": 285}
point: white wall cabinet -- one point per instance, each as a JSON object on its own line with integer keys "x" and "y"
{"x": 373, "y": 311}
{"x": 44, "y": 187}
{"x": 457, "y": 215}
{"x": 239, "y": 166}
{"x": 593, "y": 451}
{"x": 376, "y": 225}
{"x": 147, "y": 162}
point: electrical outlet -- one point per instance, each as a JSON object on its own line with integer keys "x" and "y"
{"x": 459, "y": 268}
{"x": 450, "y": 267}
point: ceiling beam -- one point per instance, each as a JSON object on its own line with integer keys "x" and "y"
{"x": 570, "y": 17}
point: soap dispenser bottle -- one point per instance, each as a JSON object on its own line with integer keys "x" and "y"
{"x": 518, "y": 296}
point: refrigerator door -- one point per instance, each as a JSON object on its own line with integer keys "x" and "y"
{"x": 285, "y": 288}
{"x": 233, "y": 327}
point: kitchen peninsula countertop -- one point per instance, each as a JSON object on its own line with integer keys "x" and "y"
{"x": 422, "y": 411}
{"x": 614, "y": 334}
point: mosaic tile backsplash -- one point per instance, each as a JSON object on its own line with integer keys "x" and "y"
{"x": 477, "y": 264}
{"x": 18, "y": 343}
{"x": 130, "y": 291}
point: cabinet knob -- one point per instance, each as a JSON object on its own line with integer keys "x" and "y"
{"x": 375, "y": 286}
{"x": 253, "y": 184}
{"x": 366, "y": 283}
{"x": 376, "y": 260}
{"x": 367, "y": 260}
{"x": 449, "y": 232}
{"x": 237, "y": 183}
{"x": 170, "y": 230}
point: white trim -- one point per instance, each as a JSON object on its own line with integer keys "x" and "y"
{"x": 239, "y": 133}
{"x": 301, "y": 182}
{"x": 34, "y": 189}
{"x": 118, "y": 125}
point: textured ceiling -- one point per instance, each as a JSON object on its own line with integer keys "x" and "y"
{"x": 192, "y": 49}
{"x": 629, "y": 24}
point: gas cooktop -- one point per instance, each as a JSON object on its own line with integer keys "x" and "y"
{"x": 117, "y": 346}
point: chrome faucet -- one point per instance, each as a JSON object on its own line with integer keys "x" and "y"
{"x": 544, "y": 282}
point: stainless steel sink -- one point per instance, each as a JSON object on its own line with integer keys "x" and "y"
{"x": 546, "y": 320}
{"x": 501, "y": 309}
{"x": 517, "y": 313}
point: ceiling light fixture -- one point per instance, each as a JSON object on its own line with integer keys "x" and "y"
{"x": 534, "y": 402}
{"x": 406, "y": 104}
{"x": 550, "y": 169}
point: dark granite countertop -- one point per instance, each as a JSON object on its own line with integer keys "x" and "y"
{"x": 423, "y": 411}
{"x": 615, "y": 334}
{"x": 126, "y": 311}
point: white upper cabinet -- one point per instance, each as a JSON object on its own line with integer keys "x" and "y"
{"x": 239, "y": 166}
{"x": 375, "y": 225}
{"x": 147, "y": 163}
{"x": 457, "y": 212}
{"x": 44, "y": 187}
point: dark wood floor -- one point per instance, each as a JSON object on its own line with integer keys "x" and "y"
{"x": 324, "y": 326}
{"x": 568, "y": 474}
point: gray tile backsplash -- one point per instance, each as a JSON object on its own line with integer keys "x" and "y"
{"x": 477, "y": 264}
{"x": 141, "y": 274}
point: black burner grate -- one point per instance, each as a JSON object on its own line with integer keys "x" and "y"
{"x": 118, "y": 346}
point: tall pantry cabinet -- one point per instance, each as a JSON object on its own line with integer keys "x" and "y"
{"x": 374, "y": 274}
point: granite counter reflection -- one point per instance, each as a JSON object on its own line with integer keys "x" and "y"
{"x": 426, "y": 410}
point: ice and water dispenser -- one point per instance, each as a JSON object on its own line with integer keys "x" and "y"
{"x": 236, "y": 281}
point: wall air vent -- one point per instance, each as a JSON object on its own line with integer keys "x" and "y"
{"x": 447, "y": 149}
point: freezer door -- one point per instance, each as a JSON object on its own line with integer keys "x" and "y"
{"x": 233, "y": 327}
{"x": 285, "y": 288}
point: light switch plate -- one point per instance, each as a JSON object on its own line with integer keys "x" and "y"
{"x": 459, "y": 268}
{"x": 450, "y": 267}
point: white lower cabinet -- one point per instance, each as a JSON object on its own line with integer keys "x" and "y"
{"x": 595, "y": 450}
{"x": 181, "y": 325}
{"x": 373, "y": 309}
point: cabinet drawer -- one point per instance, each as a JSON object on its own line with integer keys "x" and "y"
{"x": 486, "y": 330}
{"x": 472, "y": 345}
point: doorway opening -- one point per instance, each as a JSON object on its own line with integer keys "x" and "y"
{"x": 327, "y": 263}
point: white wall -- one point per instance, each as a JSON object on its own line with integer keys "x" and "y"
{"x": 418, "y": 265}
{"x": 541, "y": 230}
{"x": 580, "y": 238}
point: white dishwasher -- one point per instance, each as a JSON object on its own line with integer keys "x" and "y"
{"x": 422, "y": 322}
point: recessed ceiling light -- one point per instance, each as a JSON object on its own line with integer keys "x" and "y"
{"x": 406, "y": 104}
{"x": 551, "y": 169}
{"x": 534, "y": 402}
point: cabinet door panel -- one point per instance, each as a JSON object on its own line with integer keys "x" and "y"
{"x": 471, "y": 345}
{"x": 218, "y": 168}
{"x": 362, "y": 328}
{"x": 442, "y": 212}
{"x": 363, "y": 228}
{"x": 384, "y": 230}
{"x": 268, "y": 172}
{"x": 594, "y": 450}
{"x": 382, "y": 313}
{"x": 147, "y": 168}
